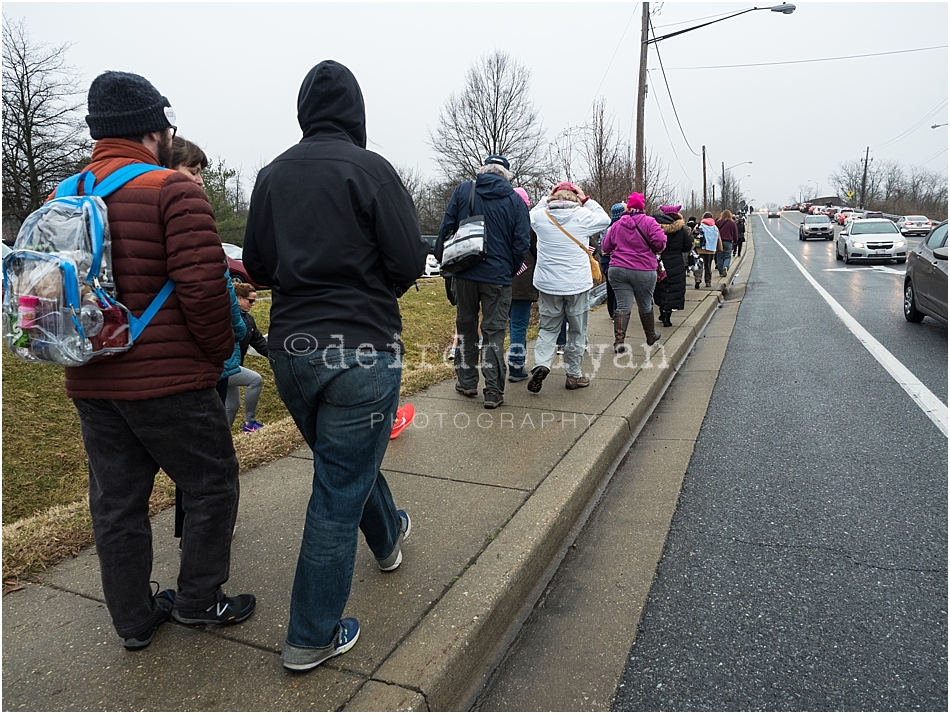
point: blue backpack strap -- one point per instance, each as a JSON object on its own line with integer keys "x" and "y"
{"x": 70, "y": 186}
{"x": 117, "y": 179}
{"x": 137, "y": 324}
{"x": 113, "y": 182}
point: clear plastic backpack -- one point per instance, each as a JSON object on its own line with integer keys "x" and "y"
{"x": 59, "y": 300}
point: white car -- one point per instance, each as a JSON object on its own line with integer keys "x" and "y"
{"x": 914, "y": 225}
{"x": 871, "y": 239}
{"x": 432, "y": 269}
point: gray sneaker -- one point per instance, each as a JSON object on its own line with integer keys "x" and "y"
{"x": 394, "y": 559}
{"x": 302, "y": 659}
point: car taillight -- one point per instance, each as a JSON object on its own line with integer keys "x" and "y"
{"x": 908, "y": 223}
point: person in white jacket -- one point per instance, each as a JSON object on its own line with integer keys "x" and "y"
{"x": 564, "y": 222}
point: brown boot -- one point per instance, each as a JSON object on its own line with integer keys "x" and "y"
{"x": 621, "y": 320}
{"x": 646, "y": 319}
{"x": 576, "y": 382}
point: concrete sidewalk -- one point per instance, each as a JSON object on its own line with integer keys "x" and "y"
{"x": 495, "y": 499}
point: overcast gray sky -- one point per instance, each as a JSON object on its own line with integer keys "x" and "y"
{"x": 232, "y": 71}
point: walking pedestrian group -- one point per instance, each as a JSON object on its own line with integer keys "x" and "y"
{"x": 333, "y": 229}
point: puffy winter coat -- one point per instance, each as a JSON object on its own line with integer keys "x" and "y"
{"x": 632, "y": 248}
{"x": 670, "y": 294}
{"x": 563, "y": 266}
{"x": 162, "y": 227}
{"x": 506, "y": 227}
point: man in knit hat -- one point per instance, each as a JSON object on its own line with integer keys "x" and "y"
{"x": 155, "y": 406}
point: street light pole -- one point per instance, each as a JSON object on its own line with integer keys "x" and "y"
{"x": 645, "y": 41}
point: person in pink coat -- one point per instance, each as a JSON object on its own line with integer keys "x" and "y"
{"x": 633, "y": 243}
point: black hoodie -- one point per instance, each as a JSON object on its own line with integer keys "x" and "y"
{"x": 331, "y": 227}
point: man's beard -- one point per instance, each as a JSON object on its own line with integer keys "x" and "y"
{"x": 165, "y": 150}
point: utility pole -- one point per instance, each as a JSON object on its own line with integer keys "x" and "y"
{"x": 641, "y": 96}
{"x": 704, "y": 178}
{"x": 723, "y": 185}
{"x": 864, "y": 179}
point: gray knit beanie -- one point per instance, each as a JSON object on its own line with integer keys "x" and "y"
{"x": 125, "y": 104}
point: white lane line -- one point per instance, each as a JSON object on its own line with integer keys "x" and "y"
{"x": 925, "y": 399}
{"x": 875, "y": 268}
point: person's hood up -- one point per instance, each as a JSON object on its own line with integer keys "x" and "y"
{"x": 492, "y": 186}
{"x": 331, "y": 102}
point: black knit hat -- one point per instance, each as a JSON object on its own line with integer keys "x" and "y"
{"x": 125, "y": 104}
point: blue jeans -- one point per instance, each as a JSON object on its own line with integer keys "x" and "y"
{"x": 724, "y": 259}
{"x": 518, "y": 316}
{"x": 343, "y": 402}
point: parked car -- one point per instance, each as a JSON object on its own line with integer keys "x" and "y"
{"x": 925, "y": 282}
{"x": 234, "y": 254}
{"x": 914, "y": 225}
{"x": 804, "y": 207}
{"x": 872, "y": 214}
{"x": 819, "y": 226}
{"x": 871, "y": 239}
{"x": 432, "y": 269}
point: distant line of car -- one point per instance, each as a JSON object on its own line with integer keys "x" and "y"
{"x": 870, "y": 236}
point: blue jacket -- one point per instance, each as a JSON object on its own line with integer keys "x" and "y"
{"x": 507, "y": 227}
{"x": 232, "y": 365}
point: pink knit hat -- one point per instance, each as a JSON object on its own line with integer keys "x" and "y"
{"x": 524, "y": 195}
{"x": 708, "y": 222}
{"x": 635, "y": 202}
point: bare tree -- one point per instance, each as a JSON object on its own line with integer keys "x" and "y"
{"x": 493, "y": 114}
{"x": 607, "y": 159}
{"x": 44, "y": 136}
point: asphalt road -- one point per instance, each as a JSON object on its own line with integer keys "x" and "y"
{"x": 806, "y": 564}
{"x": 871, "y": 292}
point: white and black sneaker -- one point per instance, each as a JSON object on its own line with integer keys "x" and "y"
{"x": 229, "y": 611}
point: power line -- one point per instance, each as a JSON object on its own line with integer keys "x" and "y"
{"x": 610, "y": 64}
{"x": 668, "y": 91}
{"x": 820, "y": 59}
{"x": 931, "y": 157}
{"x": 916, "y": 126}
{"x": 685, "y": 173}
{"x": 687, "y": 22}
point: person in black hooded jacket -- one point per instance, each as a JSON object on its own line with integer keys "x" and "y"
{"x": 334, "y": 231}
{"x": 670, "y": 294}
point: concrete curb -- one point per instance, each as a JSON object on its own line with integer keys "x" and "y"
{"x": 448, "y": 655}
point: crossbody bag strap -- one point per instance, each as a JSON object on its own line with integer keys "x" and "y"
{"x": 649, "y": 247}
{"x": 471, "y": 201}
{"x": 566, "y": 233}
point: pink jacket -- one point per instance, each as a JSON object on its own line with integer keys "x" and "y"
{"x": 632, "y": 248}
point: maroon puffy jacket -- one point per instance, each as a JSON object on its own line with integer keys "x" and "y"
{"x": 162, "y": 226}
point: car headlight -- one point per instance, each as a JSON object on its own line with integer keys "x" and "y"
{"x": 900, "y": 244}
{"x": 857, "y": 244}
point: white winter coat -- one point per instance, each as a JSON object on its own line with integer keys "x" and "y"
{"x": 563, "y": 267}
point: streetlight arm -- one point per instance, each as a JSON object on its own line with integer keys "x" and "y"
{"x": 696, "y": 27}
{"x": 785, "y": 9}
